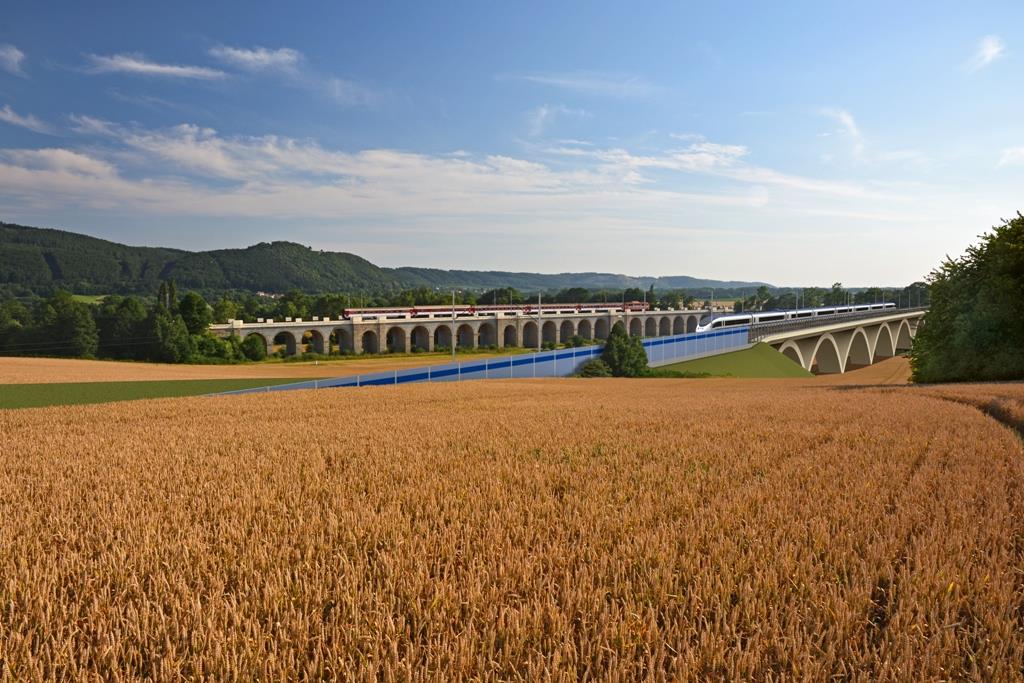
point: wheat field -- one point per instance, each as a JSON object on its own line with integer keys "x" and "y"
{"x": 517, "y": 530}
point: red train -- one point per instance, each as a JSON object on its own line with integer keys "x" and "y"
{"x": 475, "y": 309}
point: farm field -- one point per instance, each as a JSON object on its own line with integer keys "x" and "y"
{"x": 611, "y": 529}
{"x": 27, "y": 370}
{"x": 760, "y": 360}
{"x": 74, "y": 393}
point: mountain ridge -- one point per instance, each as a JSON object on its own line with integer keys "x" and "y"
{"x": 39, "y": 260}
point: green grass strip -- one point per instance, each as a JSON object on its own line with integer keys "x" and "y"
{"x": 760, "y": 360}
{"x": 72, "y": 393}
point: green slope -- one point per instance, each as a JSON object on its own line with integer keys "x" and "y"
{"x": 72, "y": 393}
{"x": 37, "y": 261}
{"x": 760, "y": 360}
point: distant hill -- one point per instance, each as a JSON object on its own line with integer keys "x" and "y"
{"x": 37, "y": 260}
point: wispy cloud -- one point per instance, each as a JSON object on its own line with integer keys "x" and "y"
{"x": 139, "y": 65}
{"x": 258, "y": 58}
{"x": 848, "y": 128}
{"x": 540, "y": 118}
{"x": 989, "y": 50}
{"x": 591, "y": 83}
{"x": 1011, "y": 156}
{"x": 8, "y": 115}
{"x": 11, "y": 59}
{"x": 345, "y": 92}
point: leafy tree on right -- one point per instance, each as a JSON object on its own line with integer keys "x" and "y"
{"x": 974, "y": 329}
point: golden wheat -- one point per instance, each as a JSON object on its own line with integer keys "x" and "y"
{"x": 548, "y": 530}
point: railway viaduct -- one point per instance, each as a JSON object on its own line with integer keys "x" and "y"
{"x": 388, "y": 331}
{"x": 831, "y": 345}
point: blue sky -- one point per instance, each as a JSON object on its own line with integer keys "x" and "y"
{"x": 801, "y": 144}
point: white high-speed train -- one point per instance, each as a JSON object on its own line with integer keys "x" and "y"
{"x": 711, "y": 322}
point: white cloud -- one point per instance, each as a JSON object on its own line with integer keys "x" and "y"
{"x": 989, "y": 50}
{"x": 88, "y": 125}
{"x": 541, "y": 117}
{"x": 347, "y": 93}
{"x": 8, "y": 115}
{"x": 58, "y": 160}
{"x": 136, "y": 64}
{"x": 592, "y": 83}
{"x": 1012, "y": 156}
{"x": 848, "y": 128}
{"x": 11, "y": 59}
{"x": 258, "y": 58}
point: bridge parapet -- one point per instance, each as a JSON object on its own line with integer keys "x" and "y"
{"x": 762, "y": 331}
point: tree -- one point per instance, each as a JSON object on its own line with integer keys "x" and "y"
{"x": 594, "y": 368}
{"x": 501, "y": 295}
{"x": 66, "y": 327}
{"x": 835, "y": 296}
{"x": 225, "y": 310}
{"x": 195, "y": 312}
{"x": 121, "y": 322}
{"x": 171, "y": 342}
{"x": 625, "y": 355}
{"x": 974, "y": 328}
{"x": 254, "y": 347}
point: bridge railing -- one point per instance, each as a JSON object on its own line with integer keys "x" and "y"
{"x": 759, "y": 331}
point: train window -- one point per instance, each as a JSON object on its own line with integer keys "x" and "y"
{"x": 770, "y": 318}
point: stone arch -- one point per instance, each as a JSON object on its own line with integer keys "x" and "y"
{"x": 464, "y": 336}
{"x": 549, "y": 332}
{"x": 286, "y": 339}
{"x": 263, "y": 337}
{"x": 884, "y": 345}
{"x": 370, "y": 342}
{"x": 691, "y": 323}
{"x": 443, "y": 337}
{"x": 342, "y": 340}
{"x": 651, "y": 328}
{"x": 791, "y": 351}
{"x": 486, "y": 336}
{"x": 510, "y": 336}
{"x": 679, "y": 325}
{"x": 904, "y": 338}
{"x": 825, "y": 360}
{"x": 419, "y": 339}
{"x": 585, "y": 329}
{"x": 531, "y": 338}
{"x": 395, "y": 340}
{"x": 316, "y": 341}
{"x": 566, "y": 331}
{"x": 601, "y": 328}
{"x": 636, "y": 328}
{"x": 664, "y": 327}
{"x": 859, "y": 353}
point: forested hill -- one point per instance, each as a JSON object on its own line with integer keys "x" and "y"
{"x": 38, "y": 261}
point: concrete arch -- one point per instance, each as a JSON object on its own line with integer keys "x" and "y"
{"x": 370, "y": 342}
{"x": 791, "y": 351}
{"x": 286, "y": 339}
{"x": 531, "y": 337}
{"x": 825, "y": 358}
{"x": 651, "y": 328}
{"x": 679, "y": 325}
{"x": 549, "y": 332}
{"x": 884, "y": 347}
{"x": 317, "y": 342}
{"x": 510, "y": 336}
{"x": 486, "y": 335}
{"x": 664, "y": 327}
{"x": 585, "y": 329}
{"x": 601, "y": 328}
{"x": 464, "y": 337}
{"x": 566, "y": 331}
{"x": 859, "y": 354}
{"x": 443, "y": 337}
{"x": 395, "y": 340}
{"x": 691, "y": 323}
{"x": 904, "y": 336}
{"x": 342, "y": 340}
{"x": 636, "y": 328}
{"x": 419, "y": 339}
